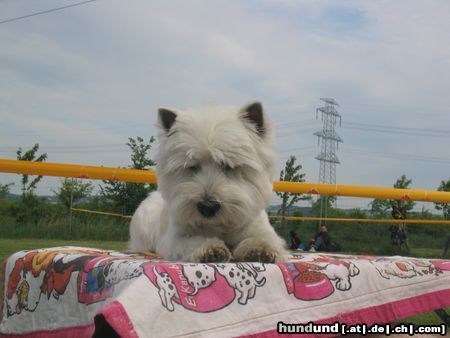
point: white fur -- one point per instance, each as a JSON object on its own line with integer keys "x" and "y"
{"x": 236, "y": 166}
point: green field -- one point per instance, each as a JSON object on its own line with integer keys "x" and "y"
{"x": 10, "y": 246}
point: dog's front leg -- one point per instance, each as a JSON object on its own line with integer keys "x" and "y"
{"x": 259, "y": 250}
{"x": 259, "y": 243}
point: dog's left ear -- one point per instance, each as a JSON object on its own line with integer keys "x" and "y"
{"x": 254, "y": 113}
{"x": 166, "y": 118}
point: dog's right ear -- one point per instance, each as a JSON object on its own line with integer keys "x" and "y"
{"x": 166, "y": 118}
{"x": 254, "y": 113}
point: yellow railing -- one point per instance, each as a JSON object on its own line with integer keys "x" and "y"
{"x": 77, "y": 171}
{"x": 361, "y": 220}
{"x": 363, "y": 191}
{"x": 148, "y": 176}
{"x": 103, "y": 213}
{"x": 295, "y": 218}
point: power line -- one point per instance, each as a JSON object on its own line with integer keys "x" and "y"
{"x": 399, "y": 132}
{"x": 301, "y": 157}
{"x": 89, "y": 146}
{"x": 46, "y": 11}
{"x": 398, "y": 156}
{"x": 358, "y": 151}
{"x": 290, "y": 150}
{"x": 431, "y": 130}
{"x": 280, "y": 135}
{"x": 290, "y": 123}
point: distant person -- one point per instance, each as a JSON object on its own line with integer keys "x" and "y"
{"x": 294, "y": 241}
{"x": 308, "y": 246}
{"x": 398, "y": 212}
{"x": 323, "y": 241}
{"x": 399, "y": 239}
{"x": 446, "y": 246}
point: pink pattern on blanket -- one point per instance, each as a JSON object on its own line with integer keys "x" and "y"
{"x": 137, "y": 294}
{"x": 441, "y": 264}
{"x": 196, "y": 287}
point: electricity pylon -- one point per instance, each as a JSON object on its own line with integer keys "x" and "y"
{"x": 329, "y": 140}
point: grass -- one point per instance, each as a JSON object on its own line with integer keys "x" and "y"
{"x": 429, "y": 318}
{"x": 10, "y": 246}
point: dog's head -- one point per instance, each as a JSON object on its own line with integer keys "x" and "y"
{"x": 215, "y": 165}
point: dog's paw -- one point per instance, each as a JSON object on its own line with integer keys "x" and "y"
{"x": 215, "y": 254}
{"x": 260, "y": 255}
{"x": 343, "y": 284}
{"x": 257, "y": 252}
{"x": 353, "y": 269}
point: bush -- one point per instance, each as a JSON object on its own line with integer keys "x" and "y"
{"x": 43, "y": 220}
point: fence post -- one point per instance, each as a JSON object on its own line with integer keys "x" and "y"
{"x": 446, "y": 247}
{"x": 71, "y": 213}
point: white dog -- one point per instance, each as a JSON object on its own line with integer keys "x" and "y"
{"x": 215, "y": 168}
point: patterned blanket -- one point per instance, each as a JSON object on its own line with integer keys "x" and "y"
{"x": 78, "y": 292}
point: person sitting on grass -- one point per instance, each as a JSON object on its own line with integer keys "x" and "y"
{"x": 296, "y": 244}
{"x": 294, "y": 240}
{"x": 308, "y": 246}
{"x": 323, "y": 241}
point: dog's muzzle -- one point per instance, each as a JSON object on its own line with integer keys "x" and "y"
{"x": 208, "y": 208}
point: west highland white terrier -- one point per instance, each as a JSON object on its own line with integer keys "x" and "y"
{"x": 215, "y": 168}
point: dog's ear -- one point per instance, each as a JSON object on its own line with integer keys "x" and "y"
{"x": 166, "y": 118}
{"x": 254, "y": 113}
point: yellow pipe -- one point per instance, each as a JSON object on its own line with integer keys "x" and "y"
{"x": 294, "y": 218}
{"x": 149, "y": 176}
{"x": 101, "y": 213}
{"x": 362, "y": 220}
{"x": 77, "y": 171}
{"x": 363, "y": 191}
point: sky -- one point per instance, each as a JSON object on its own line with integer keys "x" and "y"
{"x": 81, "y": 80}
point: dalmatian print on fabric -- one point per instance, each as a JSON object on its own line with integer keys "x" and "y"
{"x": 243, "y": 278}
{"x": 205, "y": 287}
{"x": 167, "y": 289}
{"x": 199, "y": 276}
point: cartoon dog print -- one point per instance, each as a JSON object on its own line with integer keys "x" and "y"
{"x": 338, "y": 270}
{"x": 167, "y": 289}
{"x": 395, "y": 268}
{"x": 39, "y": 273}
{"x": 199, "y": 276}
{"x": 119, "y": 270}
{"x": 243, "y": 277}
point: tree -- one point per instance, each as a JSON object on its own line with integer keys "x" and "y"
{"x": 30, "y": 155}
{"x": 445, "y": 207}
{"x": 290, "y": 173}
{"x": 30, "y": 207}
{"x": 326, "y": 202}
{"x": 425, "y": 213}
{"x": 379, "y": 208}
{"x": 72, "y": 190}
{"x": 357, "y": 213}
{"x": 382, "y": 207}
{"x": 127, "y": 196}
{"x": 4, "y": 189}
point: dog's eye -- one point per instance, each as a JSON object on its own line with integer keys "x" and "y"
{"x": 226, "y": 168}
{"x": 194, "y": 168}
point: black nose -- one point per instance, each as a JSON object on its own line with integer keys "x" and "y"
{"x": 208, "y": 208}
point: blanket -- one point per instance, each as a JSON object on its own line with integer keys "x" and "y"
{"x": 80, "y": 292}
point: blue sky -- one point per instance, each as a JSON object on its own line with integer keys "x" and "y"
{"x": 80, "y": 81}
